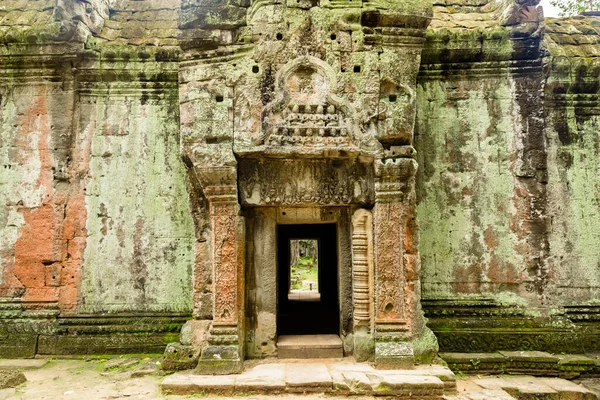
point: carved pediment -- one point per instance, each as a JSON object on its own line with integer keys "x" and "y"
{"x": 307, "y": 117}
{"x": 306, "y": 111}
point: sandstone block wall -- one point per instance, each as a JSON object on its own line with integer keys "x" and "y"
{"x": 508, "y": 188}
{"x": 96, "y": 233}
{"x": 96, "y": 228}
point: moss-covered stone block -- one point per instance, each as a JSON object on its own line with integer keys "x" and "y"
{"x": 179, "y": 357}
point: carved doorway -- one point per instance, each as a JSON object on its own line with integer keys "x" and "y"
{"x": 307, "y": 280}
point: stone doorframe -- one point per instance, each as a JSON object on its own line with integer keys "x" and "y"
{"x": 261, "y": 271}
{"x": 379, "y": 287}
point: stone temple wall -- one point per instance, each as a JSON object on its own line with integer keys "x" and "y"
{"x": 97, "y": 235}
{"x": 95, "y": 221}
{"x": 508, "y": 189}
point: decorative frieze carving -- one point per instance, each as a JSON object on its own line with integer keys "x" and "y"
{"x": 310, "y": 124}
{"x": 305, "y": 182}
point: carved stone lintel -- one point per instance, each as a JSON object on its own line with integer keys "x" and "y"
{"x": 305, "y": 182}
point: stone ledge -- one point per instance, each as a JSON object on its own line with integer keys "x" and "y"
{"x": 88, "y": 334}
{"x": 23, "y": 364}
{"x": 534, "y": 363}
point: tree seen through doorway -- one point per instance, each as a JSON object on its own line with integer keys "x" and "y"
{"x": 304, "y": 265}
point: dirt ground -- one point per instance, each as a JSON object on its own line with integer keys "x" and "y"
{"x": 99, "y": 379}
{"x": 139, "y": 377}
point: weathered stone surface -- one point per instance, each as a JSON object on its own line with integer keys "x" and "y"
{"x": 307, "y": 378}
{"x": 402, "y": 385}
{"x": 309, "y": 346}
{"x": 179, "y": 357}
{"x": 523, "y": 387}
{"x": 569, "y": 390}
{"x": 137, "y": 137}
{"x": 262, "y": 378}
{"x": 182, "y": 384}
{"x": 10, "y": 378}
{"x": 194, "y": 333}
{"x": 22, "y": 365}
{"x": 340, "y": 377}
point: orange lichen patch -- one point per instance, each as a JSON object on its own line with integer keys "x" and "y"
{"x": 35, "y": 247}
{"x": 48, "y": 252}
{"x": 411, "y": 272}
{"x": 75, "y": 242}
{"x": 501, "y": 272}
{"x": 467, "y": 280}
{"x": 490, "y": 237}
{"x": 410, "y": 238}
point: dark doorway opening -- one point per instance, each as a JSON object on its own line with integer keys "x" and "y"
{"x": 308, "y": 280}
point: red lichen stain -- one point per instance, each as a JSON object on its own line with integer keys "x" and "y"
{"x": 75, "y": 241}
{"x": 410, "y": 245}
{"x": 36, "y": 248}
{"x": 468, "y": 280}
{"x": 48, "y": 252}
{"x": 490, "y": 238}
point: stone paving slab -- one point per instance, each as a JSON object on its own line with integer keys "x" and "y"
{"x": 358, "y": 382}
{"x": 343, "y": 378}
{"x": 443, "y": 373}
{"x": 262, "y": 378}
{"x": 308, "y": 378}
{"x": 23, "y": 364}
{"x": 490, "y": 394}
{"x": 532, "y": 356}
{"x": 592, "y": 385}
{"x": 318, "y": 377}
{"x": 569, "y": 390}
{"x": 526, "y": 387}
{"x": 529, "y": 387}
{"x": 410, "y": 385}
{"x": 182, "y": 384}
{"x": 494, "y": 383}
{"x": 484, "y": 394}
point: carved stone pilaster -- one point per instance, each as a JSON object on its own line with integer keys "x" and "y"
{"x": 400, "y": 331}
{"x": 224, "y": 354}
{"x": 362, "y": 261}
{"x": 392, "y": 181}
{"x": 362, "y": 283}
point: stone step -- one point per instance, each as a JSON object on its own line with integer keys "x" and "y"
{"x": 309, "y": 346}
{"x": 313, "y": 377}
{"x": 484, "y": 394}
{"x": 524, "y": 387}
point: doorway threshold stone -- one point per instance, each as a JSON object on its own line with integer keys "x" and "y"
{"x": 309, "y": 346}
